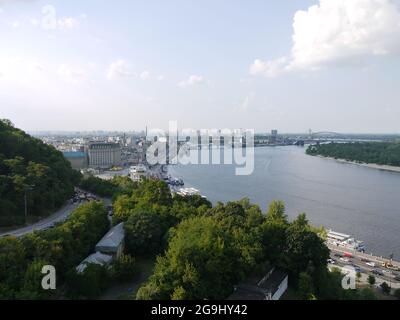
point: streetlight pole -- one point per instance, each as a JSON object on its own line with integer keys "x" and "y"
{"x": 27, "y": 188}
{"x": 26, "y": 208}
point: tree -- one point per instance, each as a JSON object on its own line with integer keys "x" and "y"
{"x": 199, "y": 264}
{"x": 397, "y": 293}
{"x": 32, "y": 286}
{"x": 153, "y": 191}
{"x": 305, "y": 251}
{"x": 371, "y": 280}
{"x": 367, "y": 294}
{"x": 88, "y": 284}
{"x": 26, "y": 161}
{"x": 124, "y": 268}
{"x": 385, "y": 288}
{"x": 144, "y": 232}
{"x": 276, "y": 211}
{"x": 305, "y": 287}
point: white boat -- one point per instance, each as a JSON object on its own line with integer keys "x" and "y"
{"x": 345, "y": 241}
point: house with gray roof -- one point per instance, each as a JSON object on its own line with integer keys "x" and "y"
{"x": 270, "y": 286}
{"x": 95, "y": 258}
{"x": 113, "y": 242}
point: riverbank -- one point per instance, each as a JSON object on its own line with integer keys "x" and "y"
{"x": 363, "y": 164}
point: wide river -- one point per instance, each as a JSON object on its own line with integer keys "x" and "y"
{"x": 347, "y": 198}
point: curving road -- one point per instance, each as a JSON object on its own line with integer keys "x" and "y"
{"x": 47, "y": 222}
{"x": 59, "y": 216}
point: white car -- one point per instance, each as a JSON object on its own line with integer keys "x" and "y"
{"x": 371, "y": 264}
{"x": 344, "y": 259}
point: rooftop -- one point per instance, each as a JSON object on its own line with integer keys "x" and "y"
{"x": 74, "y": 154}
{"x": 257, "y": 287}
{"x": 95, "y": 258}
{"x": 112, "y": 240}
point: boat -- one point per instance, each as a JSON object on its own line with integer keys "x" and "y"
{"x": 345, "y": 241}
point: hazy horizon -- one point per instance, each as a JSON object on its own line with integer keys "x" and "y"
{"x": 262, "y": 65}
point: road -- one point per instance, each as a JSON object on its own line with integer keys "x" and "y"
{"x": 58, "y": 216}
{"x": 356, "y": 261}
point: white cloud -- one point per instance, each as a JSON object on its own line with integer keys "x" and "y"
{"x": 34, "y": 22}
{"x": 15, "y": 24}
{"x": 123, "y": 69}
{"x": 337, "y": 32}
{"x": 72, "y": 75}
{"x": 246, "y": 104}
{"x": 192, "y": 81}
{"x": 119, "y": 69}
{"x": 68, "y": 23}
{"x": 145, "y": 75}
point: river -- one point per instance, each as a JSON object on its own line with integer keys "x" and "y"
{"x": 347, "y": 198}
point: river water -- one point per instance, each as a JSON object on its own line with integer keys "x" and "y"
{"x": 347, "y": 198}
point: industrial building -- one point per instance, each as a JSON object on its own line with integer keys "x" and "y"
{"x": 77, "y": 159}
{"x": 104, "y": 154}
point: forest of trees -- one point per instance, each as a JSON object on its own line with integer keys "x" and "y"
{"x": 384, "y": 153}
{"x": 64, "y": 247}
{"x": 201, "y": 251}
{"x": 28, "y": 165}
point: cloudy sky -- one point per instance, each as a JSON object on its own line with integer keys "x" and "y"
{"x": 121, "y": 65}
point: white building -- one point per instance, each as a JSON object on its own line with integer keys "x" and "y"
{"x": 136, "y": 173}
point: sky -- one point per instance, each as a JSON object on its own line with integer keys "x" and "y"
{"x": 325, "y": 65}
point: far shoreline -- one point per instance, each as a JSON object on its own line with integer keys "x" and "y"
{"x": 383, "y": 167}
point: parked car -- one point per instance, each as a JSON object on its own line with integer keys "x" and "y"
{"x": 371, "y": 264}
{"x": 377, "y": 272}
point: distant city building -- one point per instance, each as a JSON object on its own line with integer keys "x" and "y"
{"x": 137, "y": 173}
{"x": 77, "y": 159}
{"x": 104, "y": 154}
{"x": 274, "y": 136}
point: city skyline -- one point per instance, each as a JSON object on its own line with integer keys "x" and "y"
{"x": 325, "y": 65}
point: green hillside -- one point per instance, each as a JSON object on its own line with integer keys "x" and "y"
{"x": 385, "y": 153}
{"x": 27, "y": 164}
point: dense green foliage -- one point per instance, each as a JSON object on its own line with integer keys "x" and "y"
{"x": 88, "y": 284}
{"x": 210, "y": 252}
{"x": 385, "y": 153}
{"x": 27, "y": 164}
{"x": 108, "y": 188}
{"x": 64, "y": 247}
{"x": 124, "y": 268}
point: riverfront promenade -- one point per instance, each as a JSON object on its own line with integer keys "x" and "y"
{"x": 359, "y": 261}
